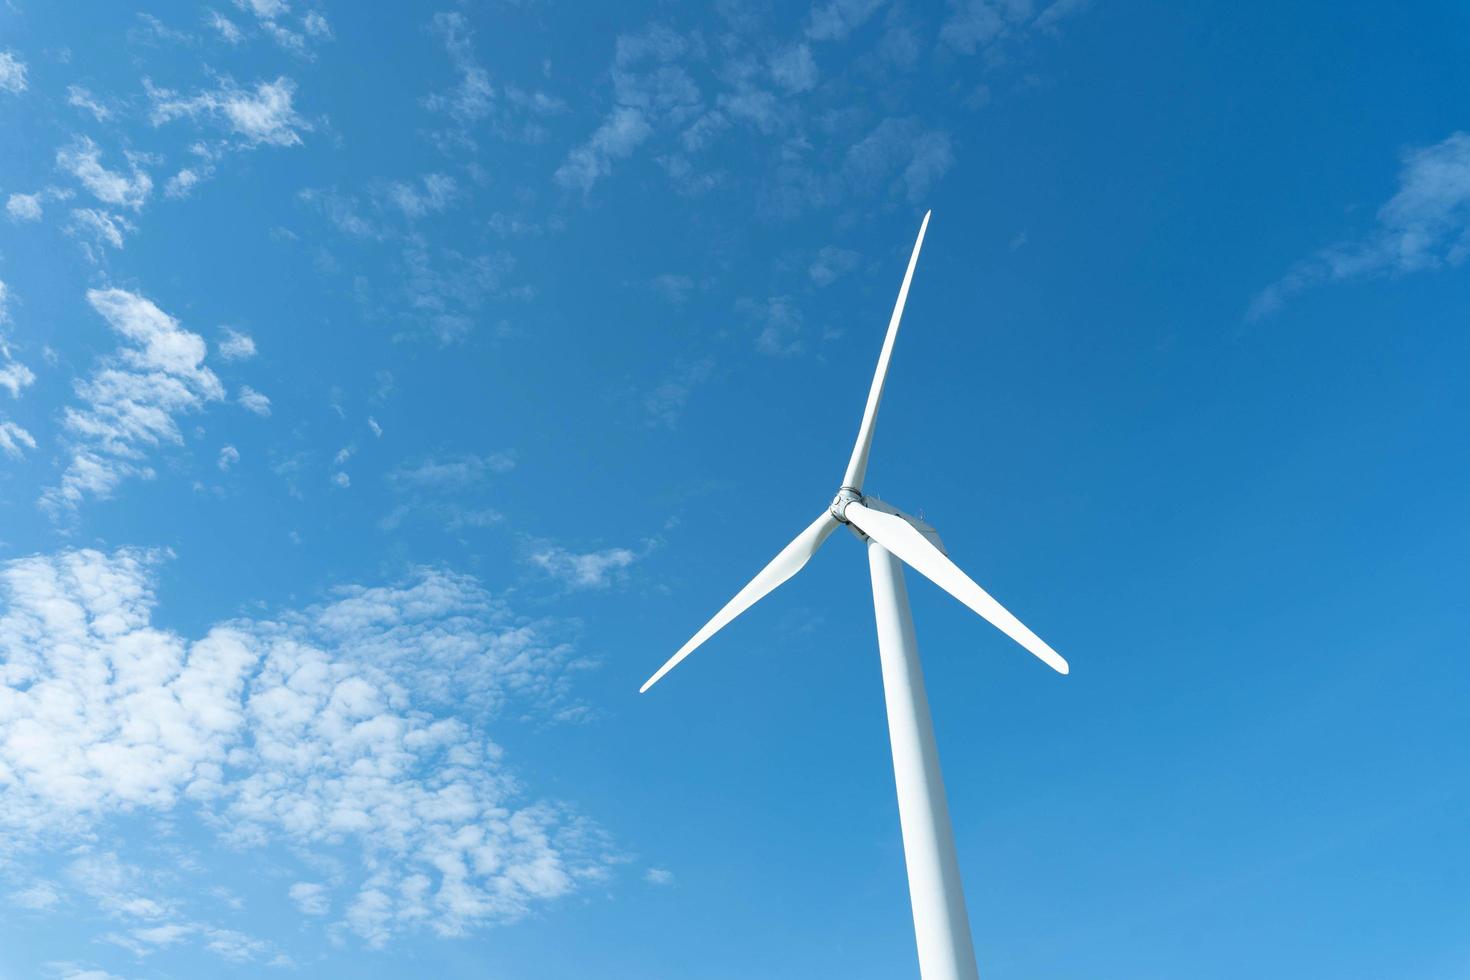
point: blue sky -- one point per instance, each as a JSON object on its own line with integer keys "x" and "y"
{"x": 383, "y": 396}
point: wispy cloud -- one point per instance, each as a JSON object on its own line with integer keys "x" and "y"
{"x": 130, "y": 404}
{"x": 94, "y": 228}
{"x": 83, "y": 160}
{"x": 583, "y": 570}
{"x": 434, "y": 192}
{"x": 1425, "y": 225}
{"x": 974, "y": 25}
{"x": 271, "y": 18}
{"x": 668, "y": 399}
{"x": 794, "y": 69}
{"x": 778, "y": 324}
{"x": 236, "y": 345}
{"x": 511, "y": 111}
{"x": 265, "y": 115}
{"x": 650, "y": 88}
{"x": 470, "y": 100}
{"x": 450, "y": 472}
{"x": 24, "y": 207}
{"x": 224, "y": 27}
{"x": 835, "y": 19}
{"x": 673, "y": 289}
{"x": 831, "y": 264}
{"x": 311, "y": 898}
{"x": 15, "y": 377}
{"x": 12, "y": 73}
{"x": 449, "y": 489}
{"x": 253, "y": 401}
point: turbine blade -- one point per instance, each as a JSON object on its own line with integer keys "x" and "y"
{"x": 915, "y": 550}
{"x": 857, "y": 467}
{"x": 782, "y": 567}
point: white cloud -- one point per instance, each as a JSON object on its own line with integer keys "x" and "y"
{"x": 80, "y": 98}
{"x": 12, "y": 73}
{"x": 253, "y": 401}
{"x": 831, "y": 264}
{"x": 619, "y": 135}
{"x": 675, "y": 289}
{"x": 315, "y": 25}
{"x": 228, "y": 457}
{"x": 264, "y": 9}
{"x": 130, "y": 402}
{"x": 445, "y": 289}
{"x": 182, "y": 184}
{"x": 375, "y": 427}
{"x": 269, "y": 15}
{"x": 236, "y": 345}
{"x": 94, "y": 228}
{"x": 14, "y": 441}
{"x": 897, "y": 157}
{"x": 117, "y": 888}
{"x": 974, "y": 25}
{"x": 439, "y": 190}
{"x": 310, "y": 898}
{"x": 445, "y": 488}
{"x": 779, "y": 324}
{"x": 39, "y": 897}
{"x": 225, "y": 27}
{"x": 14, "y": 376}
{"x": 1058, "y": 11}
{"x": 835, "y": 19}
{"x": 658, "y": 876}
{"x": 342, "y": 480}
{"x": 511, "y": 112}
{"x": 352, "y": 729}
{"x": 649, "y": 89}
{"x": 83, "y": 160}
{"x": 666, "y": 402}
{"x": 24, "y": 207}
{"x": 74, "y": 971}
{"x": 264, "y": 116}
{"x": 793, "y": 69}
{"x": 589, "y": 570}
{"x": 1425, "y": 225}
{"x": 342, "y": 211}
{"x": 449, "y": 472}
{"x": 471, "y": 99}
{"x": 154, "y": 29}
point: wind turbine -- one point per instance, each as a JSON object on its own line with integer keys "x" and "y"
{"x": 941, "y": 925}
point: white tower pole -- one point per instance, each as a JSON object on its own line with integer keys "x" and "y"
{"x": 941, "y": 925}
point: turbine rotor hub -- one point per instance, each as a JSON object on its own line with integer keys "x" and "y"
{"x": 845, "y": 496}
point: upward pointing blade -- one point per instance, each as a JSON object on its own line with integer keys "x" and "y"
{"x": 786, "y": 564}
{"x": 857, "y": 467}
{"x": 905, "y": 541}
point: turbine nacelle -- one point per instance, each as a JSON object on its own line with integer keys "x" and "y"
{"x": 847, "y": 495}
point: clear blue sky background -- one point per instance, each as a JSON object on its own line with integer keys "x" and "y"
{"x": 386, "y": 394}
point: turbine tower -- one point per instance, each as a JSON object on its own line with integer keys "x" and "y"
{"x": 941, "y": 925}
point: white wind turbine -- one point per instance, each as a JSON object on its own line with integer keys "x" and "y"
{"x": 941, "y": 925}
